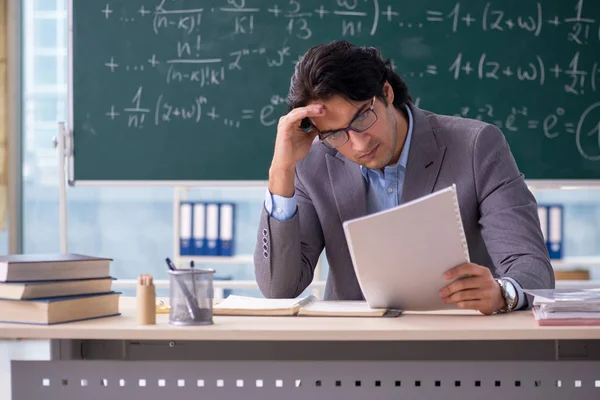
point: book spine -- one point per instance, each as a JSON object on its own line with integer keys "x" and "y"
{"x": 461, "y": 229}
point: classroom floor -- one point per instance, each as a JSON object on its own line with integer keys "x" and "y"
{"x": 19, "y": 350}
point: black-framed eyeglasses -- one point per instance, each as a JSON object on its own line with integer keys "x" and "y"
{"x": 361, "y": 123}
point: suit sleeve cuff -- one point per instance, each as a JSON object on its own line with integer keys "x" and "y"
{"x": 280, "y": 208}
{"x": 522, "y": 301}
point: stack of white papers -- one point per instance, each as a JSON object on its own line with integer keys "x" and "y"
{"x": 566, "y": 306}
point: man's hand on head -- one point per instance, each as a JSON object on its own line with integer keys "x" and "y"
{"x": 476, "y": 289}
{"x": 292, "y": 144}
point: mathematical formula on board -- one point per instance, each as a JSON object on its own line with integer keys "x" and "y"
{"x": 354, "y": 17}
{"x": 192, "y": 63}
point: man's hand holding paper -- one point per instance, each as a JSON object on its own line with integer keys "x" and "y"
{"x": 477, "y": 290}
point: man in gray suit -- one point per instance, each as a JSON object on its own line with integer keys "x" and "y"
{"x": 377, "y": 150}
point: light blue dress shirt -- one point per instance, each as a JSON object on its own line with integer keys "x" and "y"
{"x": 384, "y": 191}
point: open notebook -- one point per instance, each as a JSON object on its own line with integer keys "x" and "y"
{"x": 305, "y": 306}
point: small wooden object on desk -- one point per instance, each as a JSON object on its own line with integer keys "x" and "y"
{"x": 146, "y": 300}
{"x": 572, "y": 275}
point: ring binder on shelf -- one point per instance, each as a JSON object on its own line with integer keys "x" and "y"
{"x": 543, "y": 217}
{"x": 555, "y": 234}
{"x": 212, "y": 229}
{"x": 226, "y": 218}
{"x": 199, "y": 229}
{"x": 551, "y": 223}
{"x": 185, "y": 229}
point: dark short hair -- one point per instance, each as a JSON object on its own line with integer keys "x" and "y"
{"x": 341, "y": 68}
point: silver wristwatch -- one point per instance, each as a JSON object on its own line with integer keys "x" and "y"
{"x": 509, "y": 293}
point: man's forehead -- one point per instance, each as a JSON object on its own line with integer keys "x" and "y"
{"x": 338, "y": 113}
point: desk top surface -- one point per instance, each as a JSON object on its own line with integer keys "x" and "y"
{"x": 442, "y": 325}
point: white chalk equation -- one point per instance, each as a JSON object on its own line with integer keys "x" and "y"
{"x": 353, "y": 20}
{"x": 531, "y": 18}
{"x": 575, "y": 77}
{"x": 141, "y": 111}
{"x": 357, "y": 18}
{"x": 584, "y": 128}
{"x": 137, "y": 114}
{"x": 185, "y": 62}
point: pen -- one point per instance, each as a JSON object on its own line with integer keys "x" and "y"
{"x": 170, "y": 264}
{"x": 193, "y": 277}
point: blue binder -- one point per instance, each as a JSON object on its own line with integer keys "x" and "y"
{"x": 185, "y": 229}
{"x": 199, "y": 229}
{"x": 555, "y": 231}
{"x": 212, "y": 229}
{"x": 543, "y": 217}
{"x": 226, "y": 236}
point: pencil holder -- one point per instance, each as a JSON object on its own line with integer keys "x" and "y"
{"x": 146, "y": 300}
{"x": 191, "y": 296}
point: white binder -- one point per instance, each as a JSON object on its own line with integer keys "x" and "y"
{"x": 226, "y": 228}
{"x": 212, "y": 229}
{"x": 199, "y": 235}
{"x": 185, "y": 229}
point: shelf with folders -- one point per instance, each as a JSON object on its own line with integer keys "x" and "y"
{"x": 204, "y": 232}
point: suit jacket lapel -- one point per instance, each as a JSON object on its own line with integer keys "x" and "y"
{"x": 424, "y": 159}
{"x": 348, "y": 185}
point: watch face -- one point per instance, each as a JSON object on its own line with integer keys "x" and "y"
{"x": 511, "y": 293}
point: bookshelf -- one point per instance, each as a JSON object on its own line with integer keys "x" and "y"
{"x": 182, "y": 194}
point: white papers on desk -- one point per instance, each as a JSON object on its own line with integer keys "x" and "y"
{"x": 566, "y": 299}
{"x": 566, "y": 306}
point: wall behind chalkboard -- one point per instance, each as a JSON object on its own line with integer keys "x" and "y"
{"x": 184, "y": 90}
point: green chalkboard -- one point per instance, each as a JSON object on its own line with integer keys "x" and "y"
{"x": 191, "y": 90}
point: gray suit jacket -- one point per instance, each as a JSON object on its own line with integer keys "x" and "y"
{"x": 498, "y": 211}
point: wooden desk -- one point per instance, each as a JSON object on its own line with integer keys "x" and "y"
{"x": 418, "y": 355}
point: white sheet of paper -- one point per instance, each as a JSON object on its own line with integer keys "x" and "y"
{"x": 400, "y": 255}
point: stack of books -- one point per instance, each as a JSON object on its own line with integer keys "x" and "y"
{"x": 55, "y": 288}
{"x": 556, "y": 307}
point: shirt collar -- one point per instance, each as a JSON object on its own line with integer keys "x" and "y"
{"x": 403, "y": 159}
